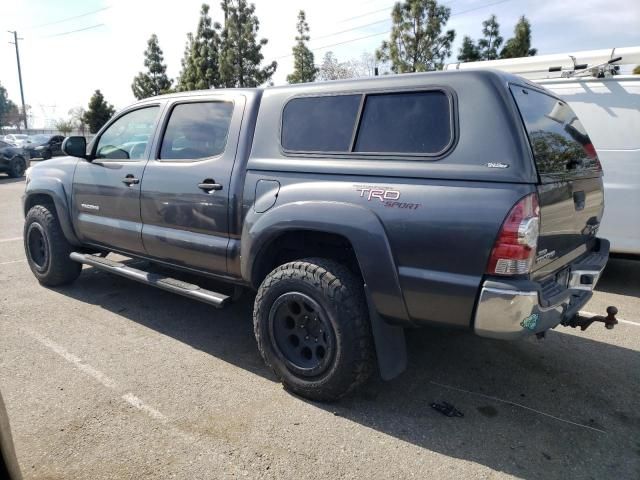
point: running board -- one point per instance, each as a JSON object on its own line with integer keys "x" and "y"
{"x": 185, "y": 289}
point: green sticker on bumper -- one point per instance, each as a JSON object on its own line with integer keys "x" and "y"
{"x": 530, "y": 322}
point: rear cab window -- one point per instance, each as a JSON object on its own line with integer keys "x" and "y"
{"x": 320, "y": 124}
{"x": 415, "y": 123}
{"x": 560, "y": 145}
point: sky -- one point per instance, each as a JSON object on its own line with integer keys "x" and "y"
{"x": 65, "y": 59}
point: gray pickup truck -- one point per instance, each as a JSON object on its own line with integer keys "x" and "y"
{"x": 355, "y": 209}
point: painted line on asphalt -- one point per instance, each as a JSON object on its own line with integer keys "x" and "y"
{"x": 508, "y": 402}
{"x": 140, "y": 405}
{"x": 12, "y": 239}
{"x": 73, "y": 359}
{"x": 13, "y": 261}
{"x": 96, "y": 374}
{"x": 591, "y": 314}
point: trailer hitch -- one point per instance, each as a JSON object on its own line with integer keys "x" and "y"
{"x": 584, "y": 321}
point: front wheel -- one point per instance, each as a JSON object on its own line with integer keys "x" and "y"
{"x": 312, "y": 327}
{"x": 47, "y": 248}
{"x": 17, "y": 166}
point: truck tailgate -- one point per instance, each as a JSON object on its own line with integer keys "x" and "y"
{"x": 570, "y": 189}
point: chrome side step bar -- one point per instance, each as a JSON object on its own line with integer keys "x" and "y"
{"x": 169, "y": 284}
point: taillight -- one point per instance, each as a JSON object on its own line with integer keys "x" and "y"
{"x": 515, "y": 248}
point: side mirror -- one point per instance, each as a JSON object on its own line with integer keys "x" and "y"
{"x": 75, "y": 147}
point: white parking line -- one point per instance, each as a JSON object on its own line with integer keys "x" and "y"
{"x": 140, "y": 405}
{"x": 96, "y": 374}
{"x": 13, "y": 239}
{"x": 13, "y": 261}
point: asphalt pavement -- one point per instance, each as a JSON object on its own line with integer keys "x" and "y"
{"x": 107, "y": 378}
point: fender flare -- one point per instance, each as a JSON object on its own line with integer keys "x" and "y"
{"x": 54, "y": 189}
{"x": 373, "y": 252}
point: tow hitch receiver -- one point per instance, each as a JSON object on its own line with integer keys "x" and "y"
{"x": 584, "y": 322}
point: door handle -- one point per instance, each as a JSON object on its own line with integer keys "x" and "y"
{"x": 209, "y": 185}
{"x": 130, "y": 180}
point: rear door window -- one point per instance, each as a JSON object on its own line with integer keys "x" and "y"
{"x": 196, "y": 130}
{"x": 411, "y": 122}
{"x": 320, "y": 124}
{"x": 560, "y": 144}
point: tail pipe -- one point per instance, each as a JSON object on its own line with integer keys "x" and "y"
{"x": 585, "y": 321}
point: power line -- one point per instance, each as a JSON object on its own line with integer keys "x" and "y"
{"x": 367, "y": 14}
{"x": 384, "y": 10}
{"x": 70, "y": 18}
{"x": 480, "y": 7}
{"x": 350, "y": 29}
{"x": 386, "y": 31}
{"x": 75, "y": 31}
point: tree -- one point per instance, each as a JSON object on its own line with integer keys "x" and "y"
{"x": 77, "y": 117}
{"x": 332, "y": 69}
{"x": 65, "y": 127}
{"x": 154, "y": 81}
{"x": 240, "y": 52}
{"x": 304, "y": 69}
{"x": 489, "y": 45}
{"x": 98, "y": 113}
{"x": 201, "y": 62}
{"x": 520, "y": 44}
{"x": 469, "y": 52}
{"x": 6, "y": 106}
{"x": 14, "y": 117}
{"x": 417, "y": 43}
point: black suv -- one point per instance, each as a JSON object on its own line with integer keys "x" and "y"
{"x": 45, "y": 146}
{"x": 354, "y": 208}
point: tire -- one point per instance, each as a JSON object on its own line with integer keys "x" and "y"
{"x": 321, "y": 353}
{"x": 17, "y": 166}
{"x": 47, "y": 249}
{"x": 46, "y": 155}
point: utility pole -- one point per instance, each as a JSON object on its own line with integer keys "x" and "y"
{"x": 24, "y": 110}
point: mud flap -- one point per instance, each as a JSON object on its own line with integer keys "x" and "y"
{"x": 391, "y": 346}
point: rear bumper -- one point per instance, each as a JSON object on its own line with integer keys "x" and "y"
{"x": 510, "y": 309}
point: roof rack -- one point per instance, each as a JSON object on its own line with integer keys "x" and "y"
{"x": 592, "y": 63}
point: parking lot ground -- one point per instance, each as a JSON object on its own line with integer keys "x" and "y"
{"x": 108, "y": 378}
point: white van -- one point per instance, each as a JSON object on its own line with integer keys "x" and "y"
{"x": 609, "y": 109}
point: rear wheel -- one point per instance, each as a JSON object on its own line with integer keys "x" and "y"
{"x": 312, "y": 327}
{"x": 17, "y": 166}
{"x": 47, "y": 248}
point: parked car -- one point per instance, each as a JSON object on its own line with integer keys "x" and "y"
{"x": 13, "y": 160}
{"x": 45, "y": 146}
{"x": 17, "y": 139}
{"x": 354, "y": 208}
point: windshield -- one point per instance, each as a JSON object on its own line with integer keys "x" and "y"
{"x": 39, "y": 138}
{"x": 560, "y": 144}
{"x": 20, "y": 137}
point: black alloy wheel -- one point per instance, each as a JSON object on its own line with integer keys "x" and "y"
{"x": 37, "y": 246}
{"x": 302, "y": 334}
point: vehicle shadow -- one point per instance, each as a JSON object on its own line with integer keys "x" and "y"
{"x": 622, "y": 276}
{"x": 4, "y": 178}
{"x": 564, "y": 407}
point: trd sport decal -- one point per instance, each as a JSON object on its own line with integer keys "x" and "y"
{"x": 388, "y": 196}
